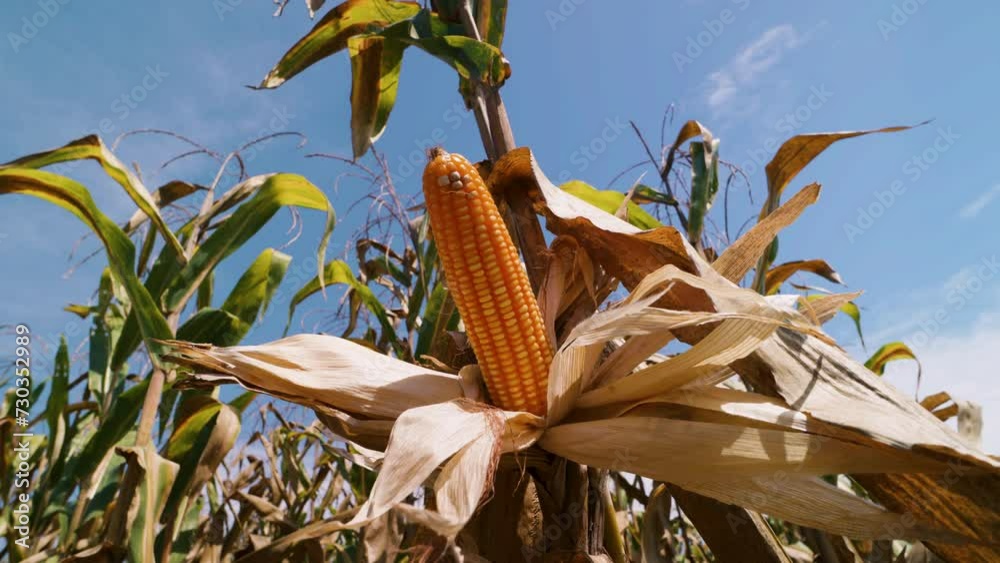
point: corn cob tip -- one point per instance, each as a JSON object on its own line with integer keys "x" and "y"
{"x": 435, "y": 152}
{"x": 454, "y": 176}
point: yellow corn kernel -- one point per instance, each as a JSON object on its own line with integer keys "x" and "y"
{"x": 488, "y": 283}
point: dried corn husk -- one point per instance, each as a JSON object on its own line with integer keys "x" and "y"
{"x": 826, "y": 413}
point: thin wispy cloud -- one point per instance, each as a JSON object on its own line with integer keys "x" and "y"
{"x": 736, "y": 82}
{"x": 977, "y": 205}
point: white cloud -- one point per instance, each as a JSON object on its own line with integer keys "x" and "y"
{"x": 742, "y": 72}
{"x": 975, "y": 206}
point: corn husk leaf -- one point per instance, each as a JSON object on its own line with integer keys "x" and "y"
{"x": 811, "y": 375}
{"x": 825, "y": 307}
{"x": 826, "y": 414}
{"x": 824, "y": 381}
{"x": 810, "y": 501}
{"x": 319, "y": 370}
{"x": 713, "y": 451}
{"x": 423, "y": 438}
{"x": 602, "y": 230}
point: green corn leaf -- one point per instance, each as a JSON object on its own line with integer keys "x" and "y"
{"x": 82, "y": 311}
{"x": 436, "y": 320}
{"x": 121, "y": 420}
{"x": 157, "y": 476}
{"x": 108, "y": 488}
{"x": 241, "y": 402}
{"x": 205, "y": 290}
{"x": 646, "y": 194}
{"x": 491, "y": 19}
{"x": 891, "y": 352}
{"x": 330, "y": 35}
{"x": 92, "y": 147}
{"x": 339, "y": 273}
{"x": 75, "y": 198}
{"x": 276, "y": 191}
{"x": 164, "y": 269}
{"x": 252, "y": 294}
{"x": 375, "y": 66}
{"x": 704, "y": 185}
{"x": 472, "y": 59}
{"x": 851, "y": 310}
{"x": 188, "y": 536}
{"x": 213, "y": 326}
{"x": 199, "y": 443}
{"x": 55, "y": 416}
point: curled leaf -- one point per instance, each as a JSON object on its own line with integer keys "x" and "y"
{"x": 330, "y": 35}
{"x": 375, "y": 66}
{"x": 779, "y": 274}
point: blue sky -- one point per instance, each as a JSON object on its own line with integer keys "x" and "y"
{"x": 755, "y": 73}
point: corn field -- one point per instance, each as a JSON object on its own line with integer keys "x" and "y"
{"x": 521, "y": 372}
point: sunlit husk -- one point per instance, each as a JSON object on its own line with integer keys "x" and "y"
{"x": 665, "y": 420}
{"x": 812, "y": 502}
{"x": 314, "y": 369}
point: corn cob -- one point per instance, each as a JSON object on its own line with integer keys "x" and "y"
{"x": 489, "y": 284}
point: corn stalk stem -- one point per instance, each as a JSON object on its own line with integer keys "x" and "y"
{"x": 498, "y": 139}
{"x": 150, "y": 404}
